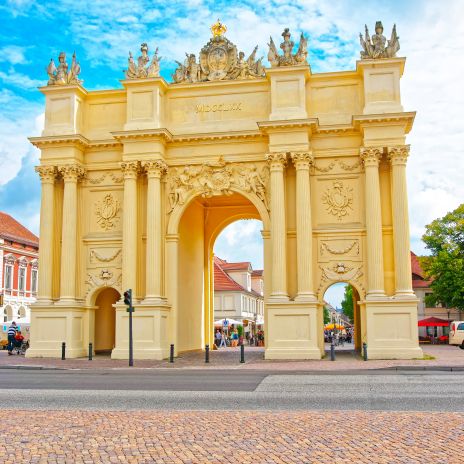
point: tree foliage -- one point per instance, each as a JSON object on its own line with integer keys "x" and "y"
{"x": 444, "y": 237}
{"x": 326, "y": 315}
{"x": 347, "y": 303}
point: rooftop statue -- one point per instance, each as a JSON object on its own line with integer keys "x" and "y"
{"x": 288, "y": 58}
{"x": 374, "y": 48}
{"x": 144, "y": 67}
{"x": 219, "y": 60}
{"x": 62, "y": 75}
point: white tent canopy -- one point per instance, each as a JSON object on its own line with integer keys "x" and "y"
{"x": 230, "y": 322}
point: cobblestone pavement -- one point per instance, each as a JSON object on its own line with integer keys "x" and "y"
{"x": 230, "y": 437}
{"x": 444, "y": 356}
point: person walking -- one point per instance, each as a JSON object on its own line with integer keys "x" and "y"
{"x": 218, "y": 338}
{"x": 223, "y": 341}
{"x": 11, "y": 337}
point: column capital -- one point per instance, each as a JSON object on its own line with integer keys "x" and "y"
{"x": 277, "y": 160}
{"x": 398, "y": 155}
{"x": 47, "y": 173}
{"x": 371, "y": 156}
{"x": 130, "y": 169}
{"x": 155, "y": 168}
{"x": 71, "y": 172}
{"x": 302, "y": 159}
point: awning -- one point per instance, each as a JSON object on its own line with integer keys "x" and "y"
{"x": 433, "y": 322}
{"x": 230, "y": 322}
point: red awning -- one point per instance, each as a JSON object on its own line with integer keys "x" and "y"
{"x": 433, "y": 322}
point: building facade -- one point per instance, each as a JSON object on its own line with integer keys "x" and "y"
{"x": 238, "y": 292}
{"x": 19, "y": 274}
{"x": 422, "y": 288}
{"x": 138, "y": 182}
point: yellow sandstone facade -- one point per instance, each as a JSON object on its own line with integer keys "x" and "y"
{"x": 138, "y": 182}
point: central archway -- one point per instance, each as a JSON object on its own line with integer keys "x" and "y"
{"x": 199, "y": 224}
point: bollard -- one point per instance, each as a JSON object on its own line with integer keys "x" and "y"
{"x": 90, "y": 351}
{"x": 63, "y": 351}
{"x": 242, "y": 353}
{"x": 332, "y": 351}
{"x": 171, "y": 354}
{"x": 207, "y": 354}
{"x": 365, "y": 351}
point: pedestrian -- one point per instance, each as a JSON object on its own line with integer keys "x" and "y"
{"x": 218, "y": 337}
{"x": 11, "y": 337}
{"x": 223, "y": 341}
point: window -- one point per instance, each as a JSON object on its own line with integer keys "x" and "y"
{"x": 22, "y": 279}
{"x": 34, "y": 281}
{"x": 8, "y": 276}
{"x": 461, "y": 326}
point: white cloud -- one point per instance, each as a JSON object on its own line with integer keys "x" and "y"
{"x": 20, "y": 80}
{"x": 13, "y": 54}
{"x": 15, "y": 127}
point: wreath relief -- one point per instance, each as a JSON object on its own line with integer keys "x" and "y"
{"x": 338, "y": 200}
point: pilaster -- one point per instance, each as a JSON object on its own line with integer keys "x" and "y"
{"x": 398, "y": 156}
{"x": 303, "y": 162}
{"x": 277, "y": 163}
{"x": 130, "y": 171}
{"x": 71, "y": 174}
{"x": 155, "y": 170}
{"x": 375, "y": 274}
{"x": 47, "y": 176}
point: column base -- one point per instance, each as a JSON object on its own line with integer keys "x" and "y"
{"x": 376, "y": 295}
{"x": 306, "y": 298}
{"x": 391, "y": 329}
{"x": 292, "y": 330}
{"x": 57, "y": 323}
{"x": 150, "y": 325}
{"x": 278, "y": 297}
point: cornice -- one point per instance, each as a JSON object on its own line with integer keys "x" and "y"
{"x": 217, "y": 136}
{"x": 73, "y": 88}
{"x": 107, "y": 143}
{"x": 283, "y": 125}
{"x": 127, "y": 83}
{"x": 75, "y": 140}
{"x": 404, "y": 118}
{"x": 146, "y": 134}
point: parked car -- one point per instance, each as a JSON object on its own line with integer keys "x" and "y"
{"x": 456, "y": 335}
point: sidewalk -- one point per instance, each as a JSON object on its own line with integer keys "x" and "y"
{"x": 446, "y": 357}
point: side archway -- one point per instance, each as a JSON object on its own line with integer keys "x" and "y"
{"x": 105, "y": 319}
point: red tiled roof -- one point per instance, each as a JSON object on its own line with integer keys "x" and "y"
{"x": 257, "y": 273}
{"x": 418, "y": 276}
{"x": 221, "y": 280}
{"x": 11, "y": 229}
{"x": 243, "y": 266}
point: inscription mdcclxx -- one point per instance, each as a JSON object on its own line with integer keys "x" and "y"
{"x": 218, "y": 107}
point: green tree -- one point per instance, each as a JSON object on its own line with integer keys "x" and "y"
{"x": 326, "y": 315}
{"x": 347, "y": 303}
{"x": 444, "y": 237}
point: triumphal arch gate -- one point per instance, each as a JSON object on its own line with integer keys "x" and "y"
{"x": 137, "y": 183}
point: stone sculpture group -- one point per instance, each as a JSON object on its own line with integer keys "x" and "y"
{"x": 219, "y": 59}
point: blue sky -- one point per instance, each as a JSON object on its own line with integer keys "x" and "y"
{"x": 102, "y": 33}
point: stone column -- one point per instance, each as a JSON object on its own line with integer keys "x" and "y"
{"x": 71, "y": 174}
{"x": 304, "y": 243}
{"x": 129, "y": 231}
{"x": 47, "y": 176}
{"x": 375, "y": 274}
{"x": 398, "y": 156}
{"x": 277, "y": 162}
{"x": 155, "y": 170}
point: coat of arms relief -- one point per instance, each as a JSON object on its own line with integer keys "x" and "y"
{"x": 219, "y": 178}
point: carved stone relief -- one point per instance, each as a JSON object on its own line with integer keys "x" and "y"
{"x": 328, "y": 248}
{"x": 214, "y": 179}
{"x": 338, "y": 200}
{"x": 340, "y": 272}
{"x": 103, "y": 278}
{"x": 107, "y": 211}
{"x": 99, "y": 179}
{"x": 340, "y": 163}
{"x": 105, "y": 256}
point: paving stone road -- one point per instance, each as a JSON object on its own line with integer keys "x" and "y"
{"x": 198, "y": 437}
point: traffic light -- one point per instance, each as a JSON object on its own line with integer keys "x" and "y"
{"x": 128, "y": 299}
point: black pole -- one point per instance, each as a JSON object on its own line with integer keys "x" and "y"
{"x": 242, "y": 353}
{"x": 63, "y": 351}
{"x": 171, "y": 354}
{"x": 131, "y": 345}
{"x": 365, "y": 351}
{"x": 332, "y": 351}
{"x": 207, "y": 354}
{"x": 90, "y": 351}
